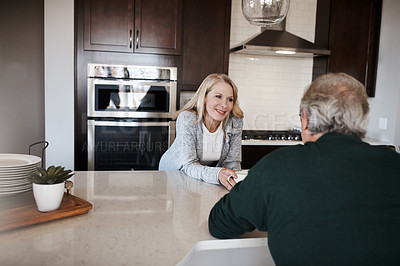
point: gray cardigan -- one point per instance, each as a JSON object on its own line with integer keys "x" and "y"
{"x": 187, "y": 148}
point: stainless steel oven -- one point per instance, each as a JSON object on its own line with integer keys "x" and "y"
{"x": 123, "y": 145}
{"x": 131, "y": 91}
{"x": 130, "y": 111}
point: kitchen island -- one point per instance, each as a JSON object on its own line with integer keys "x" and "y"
{"x": 138, "y": 218}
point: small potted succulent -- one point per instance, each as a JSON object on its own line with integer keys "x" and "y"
{"x": 49, "y": 186}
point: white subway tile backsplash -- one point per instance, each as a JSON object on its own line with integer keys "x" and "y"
{"x": 270, "y": 87}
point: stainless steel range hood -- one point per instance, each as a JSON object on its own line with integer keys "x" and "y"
{"x": 273, "y": 39}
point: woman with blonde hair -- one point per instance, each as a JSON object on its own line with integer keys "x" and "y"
{"x": 208, "y": 134}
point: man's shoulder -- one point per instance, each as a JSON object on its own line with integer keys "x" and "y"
{"x": 292, "y": 149}
{"x": 285, "y": 155}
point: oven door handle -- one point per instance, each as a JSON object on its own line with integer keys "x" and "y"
{"x": 171, "y": 125}
{"x": 149, "y": 82}
{"x": 127, "y": 124}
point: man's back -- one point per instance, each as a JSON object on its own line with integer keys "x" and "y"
{"x": 335, "y": 201}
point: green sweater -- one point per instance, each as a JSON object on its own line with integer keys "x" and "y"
{"x": 335, "y": 201}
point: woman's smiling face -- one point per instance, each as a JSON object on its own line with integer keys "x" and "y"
{"x": 219, "y": 101}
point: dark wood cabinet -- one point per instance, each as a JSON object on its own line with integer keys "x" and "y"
{"x": 354, "y": 39}
{"x": 109, "y": 25}
{"x": 206, "y": 35}
{"x": 158, "y": 26}
{"x": 251, "y": 154}
{"x": 354, "y": 30}
{"x": 149, "y": 27}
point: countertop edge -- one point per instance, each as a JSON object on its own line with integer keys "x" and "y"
{"x": 248, "y": 142}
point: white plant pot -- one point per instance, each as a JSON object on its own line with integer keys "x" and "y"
{"x": 48, "y": 197}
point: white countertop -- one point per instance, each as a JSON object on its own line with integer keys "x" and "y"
{"x": 138, "y": 218}
{"x": 255, "y": 142}
{"x": 259, "y": 142}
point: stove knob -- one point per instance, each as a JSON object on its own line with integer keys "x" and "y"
{"x": 283, "y": 137}
{"x": 270, "y": 137}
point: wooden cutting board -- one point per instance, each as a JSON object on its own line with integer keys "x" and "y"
{"x": 20, "y": 210}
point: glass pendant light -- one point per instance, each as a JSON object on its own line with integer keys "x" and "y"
{"x": 265, "y": 12}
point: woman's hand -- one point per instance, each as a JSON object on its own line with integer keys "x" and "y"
{"x": 227, "y": 178}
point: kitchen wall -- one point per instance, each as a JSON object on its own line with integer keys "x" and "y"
{"x": 270, "y": 87}
{"x": 37, "y": 79}
{"x": 21, "y": 76}
{"x": 59, "y": 81}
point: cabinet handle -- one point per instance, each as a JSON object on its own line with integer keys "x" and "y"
{"x": 137, "y": 39}
{"x": 130, "y": 38}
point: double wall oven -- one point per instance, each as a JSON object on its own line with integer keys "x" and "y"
{"x": 130, "y": 111}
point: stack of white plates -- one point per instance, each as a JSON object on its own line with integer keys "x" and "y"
{"x": 14, "y": 169}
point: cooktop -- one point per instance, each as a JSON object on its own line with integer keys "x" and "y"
{"x": 291, "y": 135}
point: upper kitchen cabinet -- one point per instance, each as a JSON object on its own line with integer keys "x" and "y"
{"x": 150, "y": 27}
{"x": 206, "y": 35}
{"x": 351, "y": 28}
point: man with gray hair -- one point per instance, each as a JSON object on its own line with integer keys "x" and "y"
{"x": 334, "y": 200}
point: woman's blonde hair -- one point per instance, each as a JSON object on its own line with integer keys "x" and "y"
{"x": 196, "y": 105}
{"x": 336, "y": 102}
